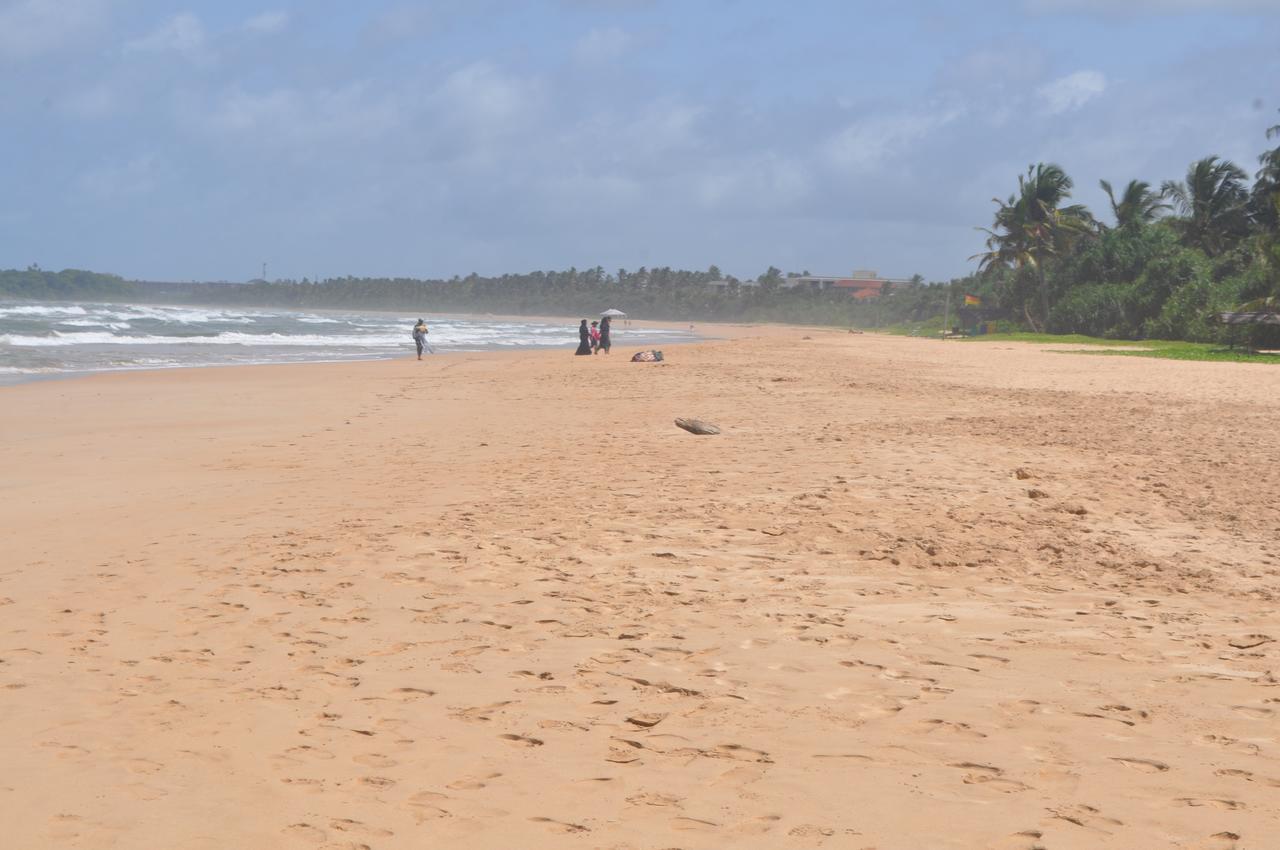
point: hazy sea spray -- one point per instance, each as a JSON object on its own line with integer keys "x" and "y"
{"x": 43, "y": 339}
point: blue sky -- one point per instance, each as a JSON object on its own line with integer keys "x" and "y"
{"x": 198, "y": 140}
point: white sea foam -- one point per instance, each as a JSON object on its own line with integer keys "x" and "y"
{"x": 230, "y": 338}
{"x": 38, "y": 310}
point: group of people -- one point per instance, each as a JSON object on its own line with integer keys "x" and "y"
{"x": 594, "y": 339}
{"x": 591, "y": 340}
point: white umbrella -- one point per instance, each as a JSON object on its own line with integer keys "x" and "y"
{"x": 613, "y": 313}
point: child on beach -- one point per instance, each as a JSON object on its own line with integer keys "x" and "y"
{"x": 595, "y": 337}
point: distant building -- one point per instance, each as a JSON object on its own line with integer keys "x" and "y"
{"x": 863, "y": 283}
{"x": 724, "y": 284}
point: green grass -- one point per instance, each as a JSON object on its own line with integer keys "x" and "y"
{"x": 1159, "y": 348}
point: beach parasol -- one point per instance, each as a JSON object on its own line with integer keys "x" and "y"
{"x": 612, "y": 313}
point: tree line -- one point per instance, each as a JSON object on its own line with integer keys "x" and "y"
{"x": 1169, "y": 260}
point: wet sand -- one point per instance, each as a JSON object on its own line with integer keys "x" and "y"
{"x": 917, "y": 594}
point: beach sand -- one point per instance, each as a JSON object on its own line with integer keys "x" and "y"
{"x": 918, "y": 594}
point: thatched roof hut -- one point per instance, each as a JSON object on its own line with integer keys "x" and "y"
{"x": 1252, "y": 317}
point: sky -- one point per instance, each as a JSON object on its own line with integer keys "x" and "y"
{"x": 326, "y": 138}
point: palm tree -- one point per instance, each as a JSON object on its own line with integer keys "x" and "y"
{"x": 1264, "y": 201}
{"x": 1212, "y": 202}
{"x": 1138, "y": 205}
{"x": 1032, "y": 226}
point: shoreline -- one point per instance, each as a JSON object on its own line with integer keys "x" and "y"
{"x": 21, "y": 378}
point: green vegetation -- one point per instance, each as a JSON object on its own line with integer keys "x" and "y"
{"x": 1158, "y": 348}
{"x": 1171, "y": 262}
{"x": 37, "y": 284}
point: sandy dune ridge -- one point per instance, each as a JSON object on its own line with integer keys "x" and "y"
{"x": 917, "y": 595}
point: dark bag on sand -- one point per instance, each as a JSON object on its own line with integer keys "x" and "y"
{"x": 647, "y": 357}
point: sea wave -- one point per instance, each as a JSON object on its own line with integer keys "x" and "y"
{"x": 230, "y": 338}
{"x": 42, "y": 310}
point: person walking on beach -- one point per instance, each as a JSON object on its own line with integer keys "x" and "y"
{"x": 420, "y": 338}
{"x": 605, "y": 326}
{"x": 584, "y": 339}
{"x": 595, "y": 338}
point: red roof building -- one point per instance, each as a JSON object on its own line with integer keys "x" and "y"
{"x": 861, "y": 284}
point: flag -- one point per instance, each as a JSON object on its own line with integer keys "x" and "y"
{"x": 972, "y": 301}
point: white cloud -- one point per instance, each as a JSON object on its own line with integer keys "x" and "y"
{"x": 138, "y": 176}
{"x": 864, "y": 146}
{"x": 765, "y": 182}
{"x": 1071, "y": 92}
{"x": 487, "y": 100}
{"x": 95, "y": 101}
{"x": 31, "y": 27}
{"x": 267, "y": 22}
{"x": 403, "y": 21}
{"x": 299, "y": 119}
{"x": 182, "y": 33}
{"x": 602, "y": 45}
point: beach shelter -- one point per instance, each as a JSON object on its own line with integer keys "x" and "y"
{"x": 613, "y": 314}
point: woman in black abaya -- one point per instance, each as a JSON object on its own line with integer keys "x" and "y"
{"x": 584, "y": 339}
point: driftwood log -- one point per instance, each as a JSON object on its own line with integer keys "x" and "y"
{"x": 697, "y": 426}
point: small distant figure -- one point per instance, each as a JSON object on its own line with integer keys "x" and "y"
{"x": 420, "y": 338}
{"x": 606, "y": 325}
{"x": 584, "y": 339}
{"x": 595, "y": 337}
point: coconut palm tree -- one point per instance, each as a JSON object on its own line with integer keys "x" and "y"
{"x": 1033, "y": 226}
{"x": 1212, "y": 202}
{"x": 1138, "y": 205}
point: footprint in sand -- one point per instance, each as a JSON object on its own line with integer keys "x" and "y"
{"x": 648, "y": 799}
{"x": 429, "y": 805}
{"x": 741, "y": 753}
{"x": 356, "y": 827}
{"x": 374, "y": 760}
{"x": 757, "y": 826}
{"x": 303, "y": 783}
{"x": 559, "y": 825}
{"x": 477, "y": 713}
{"x": 1143, "y": 765}
{"x": 989, "y": 776}
{"x": 996, "y": 783}
{"x": 1252, "y": 712}
{"x": 305, "y": 832}
{"x": 1224, "y": 805}
{"x": 145, "y": 766}
{"x": 472, "y": 783}
{"x": 646, "y": 721}
{"x": 962, "y": 730}
{"x": 306, "y": 752}
{"x": 1087, "y": 817}
{"x": 1028, "y": 839}
{"x": 522, "y": 740}
{"x": 413, "y": 693}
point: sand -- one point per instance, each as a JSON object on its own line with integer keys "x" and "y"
{"x": 918, "y": 594}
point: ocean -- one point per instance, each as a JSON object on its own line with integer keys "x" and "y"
{"x": 50, "y": 339}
